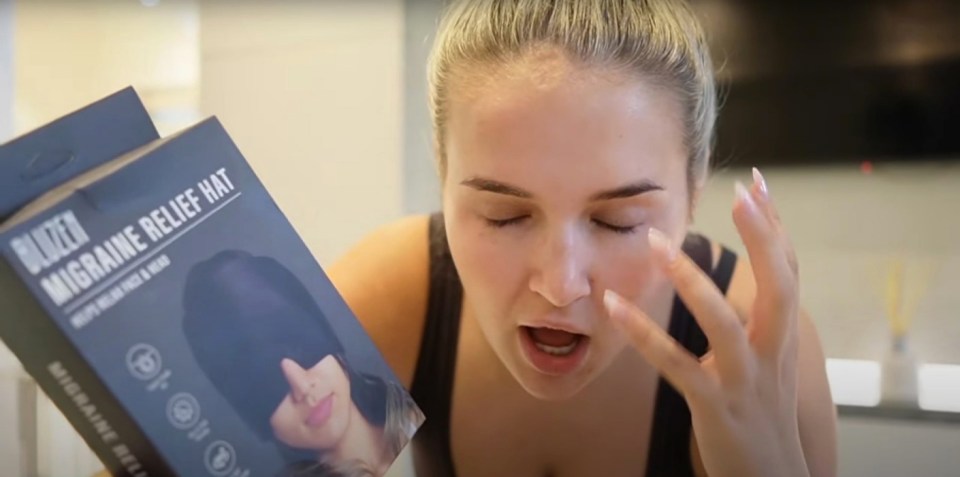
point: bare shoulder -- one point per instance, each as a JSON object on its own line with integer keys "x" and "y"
{"x": 816, "y": 411}
{"x": 385, "y": 280}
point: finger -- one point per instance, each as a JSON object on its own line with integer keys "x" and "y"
{"x": 677, "y": 365}
{"x": 761, "y": 193}
{"x": 709, "y": 307}
{"x": 776, "y": 278}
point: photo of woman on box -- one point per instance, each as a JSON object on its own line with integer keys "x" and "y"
{"x": 260, "y": 337}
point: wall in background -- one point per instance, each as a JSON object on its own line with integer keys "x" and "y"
{"x": 421, "y": 191}
{"x": 6, "y": 69}
{"x": 850, "y": 230}
{"x": 70, "y": 54}
{"x": 312, "y": 93}
{"x": 10, "y": 370}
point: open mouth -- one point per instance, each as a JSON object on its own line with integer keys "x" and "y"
{"x": 553, "y": 351}
{"x": 554, "y": 342}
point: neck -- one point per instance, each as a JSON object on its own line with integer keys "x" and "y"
{"x": 363, "y": 442}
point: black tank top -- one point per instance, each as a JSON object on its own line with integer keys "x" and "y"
{"x": 432, "y": 386}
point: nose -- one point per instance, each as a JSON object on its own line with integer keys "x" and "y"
{"x": 296, "y": 377}
{"x": 561, "y": 268}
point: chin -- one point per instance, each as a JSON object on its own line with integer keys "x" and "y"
{"x": 327, "y": 438}
{"x": 320, "y": 443}
{"x": 551, "y": 388}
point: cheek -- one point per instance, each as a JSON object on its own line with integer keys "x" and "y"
{"x": 283, "y": 421}
{"x": 333, "y": 376}
{"x": 342, "y": 384}
{"x": 626, "y": 266}
{"x": 627, "y": 262}
{"x": 326, "y": 371}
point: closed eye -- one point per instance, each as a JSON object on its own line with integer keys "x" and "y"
{"x": 620, "y": 229}
{"x": 500, "y": 223}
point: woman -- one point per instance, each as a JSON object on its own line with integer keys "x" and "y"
{"x": 264, "y": 343}
{"x": 558, "y": 319}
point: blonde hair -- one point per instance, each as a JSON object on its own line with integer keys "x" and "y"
{"x": 658, "y": 40}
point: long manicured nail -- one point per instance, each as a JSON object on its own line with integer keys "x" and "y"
{"x": 660, "y": 243}
{"x": 743, "y": 195}
{"x": 614, "y": 305}
{"x": 761, "y": 183}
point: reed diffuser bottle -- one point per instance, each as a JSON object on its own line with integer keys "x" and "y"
{"x": 899, "y": 365}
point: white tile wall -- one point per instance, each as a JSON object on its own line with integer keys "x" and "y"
{"x": 848, "y": 229}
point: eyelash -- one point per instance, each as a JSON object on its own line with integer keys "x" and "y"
{"x": 611, "y": 228}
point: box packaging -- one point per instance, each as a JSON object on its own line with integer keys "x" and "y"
{"x": 163, "y": 302}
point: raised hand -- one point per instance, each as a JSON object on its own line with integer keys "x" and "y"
{"x": 743, "y": 395}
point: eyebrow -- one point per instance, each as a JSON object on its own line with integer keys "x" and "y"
{"x": 497, "y": 187}
{"x": 630, "y": 190}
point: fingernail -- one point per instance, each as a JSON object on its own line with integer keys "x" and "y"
{"x": 760, "y": 182}
{"x": 660, "y": 242}
{"x": 743, "y": 195}
{"x": 611, "y": 301}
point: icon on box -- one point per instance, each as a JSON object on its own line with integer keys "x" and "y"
{"x": 220, "y": 458}
{"x": 183, "y": 410}
{"x": 144, "y": 361}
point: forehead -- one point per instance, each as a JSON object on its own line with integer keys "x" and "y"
{"x": 545, "y": 114}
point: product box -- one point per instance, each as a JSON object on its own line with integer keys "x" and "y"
{"x": 163, "y": 302}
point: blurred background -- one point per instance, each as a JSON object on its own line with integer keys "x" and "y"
{"x": 851, "y": 109}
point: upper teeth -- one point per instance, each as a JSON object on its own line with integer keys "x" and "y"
{"x": 556, "y": 350}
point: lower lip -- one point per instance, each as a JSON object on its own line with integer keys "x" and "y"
{"x": 320, "y": 413}
{"x": 550, "y": 364}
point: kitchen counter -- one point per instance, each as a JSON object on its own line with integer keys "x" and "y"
{"x": 898, "y": 413}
